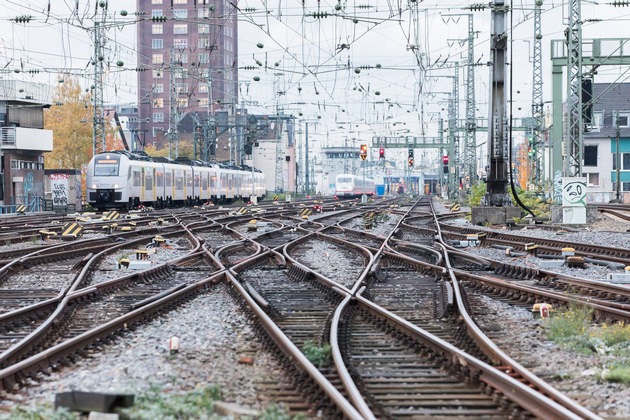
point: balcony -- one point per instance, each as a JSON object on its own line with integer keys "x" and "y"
{"x": 18, "y": 138}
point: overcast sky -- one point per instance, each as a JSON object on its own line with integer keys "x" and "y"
{"x": 317, "y": 57}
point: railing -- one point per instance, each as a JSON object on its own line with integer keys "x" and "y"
{"x": 34, "y": 204}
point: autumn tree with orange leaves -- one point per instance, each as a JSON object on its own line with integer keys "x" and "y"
{"x": 70, "y": 119}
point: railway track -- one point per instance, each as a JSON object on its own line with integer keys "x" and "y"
{"x": 388, "y": 302}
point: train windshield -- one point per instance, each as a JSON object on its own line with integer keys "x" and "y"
{"x": 106, "y": 167}
{"x": 344, "y": 180}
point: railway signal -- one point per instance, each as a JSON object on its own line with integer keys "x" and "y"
{"x": 364, "y": 151}
{"x": 381, "y": 153}
{"x": 445, "y": 163}
{"x": 410, "y": 158}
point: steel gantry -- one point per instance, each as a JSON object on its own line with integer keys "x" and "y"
{"x": 604, "y": 51}
{"x": 98, "y": 118}
{"x": 497, "y": 125}
{"x": 573, "y": 144}
{"x": 537, "y": 149}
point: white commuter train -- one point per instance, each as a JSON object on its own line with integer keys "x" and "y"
{"x": 347, "y": 185}
{"x": 124, "y": 180}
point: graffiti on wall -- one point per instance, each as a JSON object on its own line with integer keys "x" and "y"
{"x": 60, "y": 190}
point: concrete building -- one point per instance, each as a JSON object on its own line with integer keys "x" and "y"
{"x": 610, "y": 128}
{"x": 23, "y": 142}
{"x": 188, "y": 56}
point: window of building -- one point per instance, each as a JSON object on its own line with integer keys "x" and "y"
{"x": 598, "y": 121}
{"x": 180, "y": 43}
{"x": 157, "y": 44}
{"x": 157, "y": 29}
{"x": 203, "y": 43}
{"x": 625, "y": 162}
{"x": 203, "y": 13}
{"x": 181, "y": 73}
{"x": 203, "y": 88}
{"x": 180, "y": 28}
{"x": 157, "y": 73}
{"x": 181, "y": 87}
{"x": 157, "y": 58}
{"x": 592, "y": 180}
{"x": 182, "y": 102}
{"x": 181, "y": 58}
{"x": 158, "y": 88}
{"x": 157, "y": 12}
{"x": 205, "y": 72}
{"x": 625, "y": 186}
{"x": 621, "y": 119}
{"x": 203, "y": 28}
{"x": 180, "y": 13}
{"x": 590, "y": 155}
{"x": 180, "y": 1}
{"x": 158, "y": 103}
{"x": 204, "y": 58}
{"x": 156, "y": 130}
{"x": 202, "y": 102}
{"x": 156, "y": 1}
{"x": 158, "y": 117}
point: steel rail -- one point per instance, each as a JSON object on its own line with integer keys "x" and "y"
{"x": 544, "y": 405}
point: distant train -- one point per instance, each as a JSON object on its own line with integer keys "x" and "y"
{"x": 124, "y": 180}
{"x": 347, "y": 185}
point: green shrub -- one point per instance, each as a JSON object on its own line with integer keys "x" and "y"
{"x": 318, "y": 355}
{"x": 156, "y": 404}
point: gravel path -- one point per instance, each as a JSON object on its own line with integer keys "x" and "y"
{"x": 214, "y": 336}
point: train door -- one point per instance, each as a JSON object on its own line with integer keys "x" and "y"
{"x": 142, "y": 183}
{"x": 149, "y": 184}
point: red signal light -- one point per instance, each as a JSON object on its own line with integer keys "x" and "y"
{"x": 445, "y": 160}
{"x": 381, "y": 152}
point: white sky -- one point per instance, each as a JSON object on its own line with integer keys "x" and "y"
{"x": 308, "y": 56}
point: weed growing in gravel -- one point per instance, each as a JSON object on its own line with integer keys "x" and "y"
{"x": 155, "y": 404}
{"x": 618, "y": 374}
{"x": 573, "y": 328}
{"x": 566, "y": 326}
{"x": 273, "y": 412}
{"x": 318, "y": 355}
{"x": 42, "y": 413}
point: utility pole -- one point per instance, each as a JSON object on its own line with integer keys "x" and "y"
{"x": 497, "y": 125}
{"x": 469, "y": 161}
{"x": 537, "y": 158}
{"x": 98, "y": 119}
{"x": 617, "y": 199}
{"x": 173, "y": 117}
{"x": 306, "y": 173}
{"x": 573, "y": 146}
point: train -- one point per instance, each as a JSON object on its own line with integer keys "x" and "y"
{"x": 348, "y": 185}
{"x": 125, "y": 180}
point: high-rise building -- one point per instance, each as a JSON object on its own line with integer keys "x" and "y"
{"x": 188, "y": 50}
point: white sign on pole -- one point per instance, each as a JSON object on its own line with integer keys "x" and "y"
{"x": 574, "y": 200}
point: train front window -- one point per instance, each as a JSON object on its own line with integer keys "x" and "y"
{"x": 106, "y": 167}
{"x": 344, "y": 180}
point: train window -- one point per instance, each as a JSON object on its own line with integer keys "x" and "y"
{"x": 159, "y": 179}
{"x": 196, "y": 181}
{"x": 168, "y": 179}
{"x": 213, "y": 182}
{"x": 149, "y": 182}
{"x": 344, "y": 179}
{"x": 204, "y": 182}
{"x": 189, "y": 180}
{"x": 136, "y": 178}
{"x": 106, "y": 167}
{"x": 179, "y": 183}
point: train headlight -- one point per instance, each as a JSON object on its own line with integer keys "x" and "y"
{"x": 94, "y": 186}
{"x": 115, "y": 185}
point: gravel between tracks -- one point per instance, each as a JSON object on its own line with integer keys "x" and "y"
{"x": 577, "y": 375}
{"x": 214, "y": 335}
